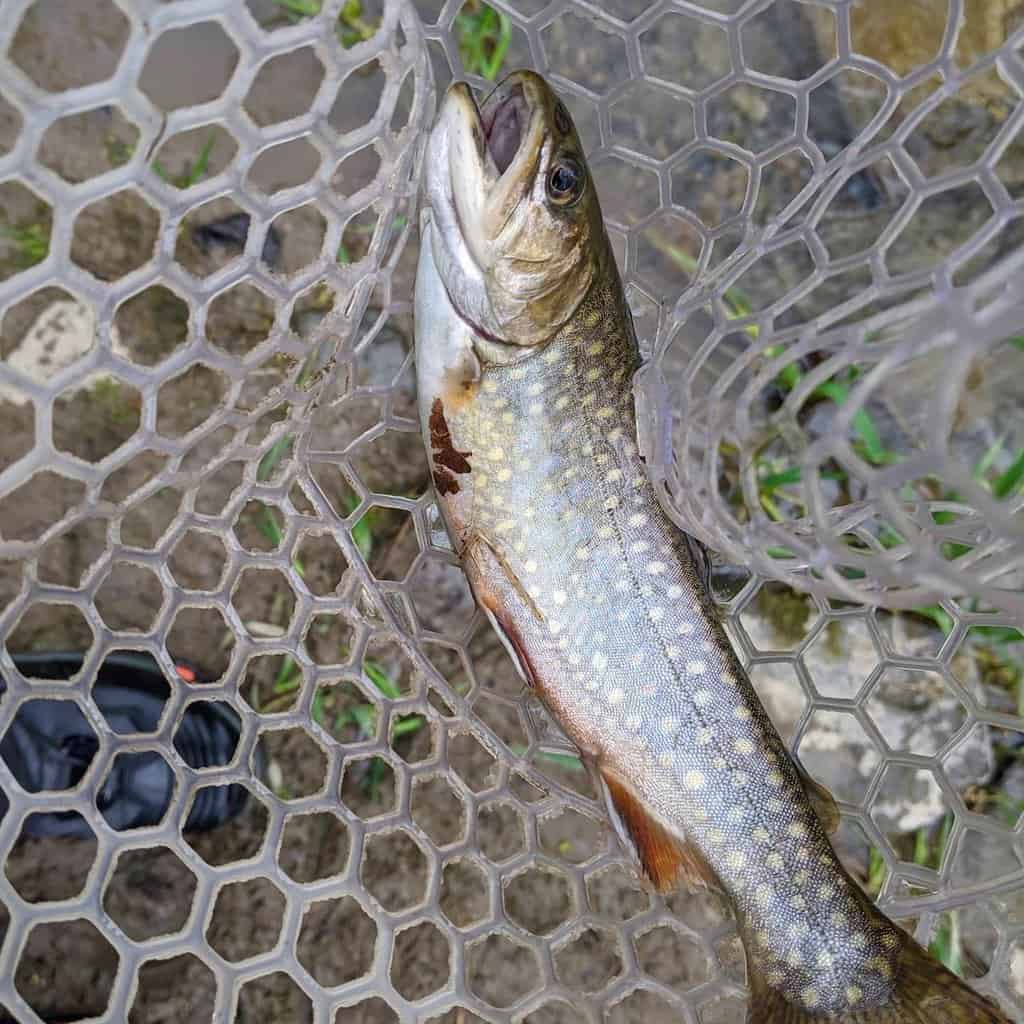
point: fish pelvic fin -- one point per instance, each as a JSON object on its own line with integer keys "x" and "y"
{"x": 925, "y": 993}
{"x": 668, "y": 859}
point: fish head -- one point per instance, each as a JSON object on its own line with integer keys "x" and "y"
{"x": 517, "y": 236}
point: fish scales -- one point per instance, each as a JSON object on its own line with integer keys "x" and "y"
{"x": 525, "y": 362}
{"x": 626, "y": 646}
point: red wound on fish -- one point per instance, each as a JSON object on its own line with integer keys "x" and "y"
{"x": 667, "y": 860}
{"x": 445, "y": 483}
{"x": 446, "y": 455}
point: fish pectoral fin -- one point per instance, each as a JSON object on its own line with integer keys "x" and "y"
{"x": 490, "y": 562}
{"x": 668, "y": 859}
{"x": 823, "y": 802}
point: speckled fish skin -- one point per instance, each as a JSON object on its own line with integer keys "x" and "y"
{"x": 603, "y": 602}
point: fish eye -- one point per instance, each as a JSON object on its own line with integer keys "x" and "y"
{"x": 565, "y": 182}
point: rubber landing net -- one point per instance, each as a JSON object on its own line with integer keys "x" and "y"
{"x": 210, "y": 457}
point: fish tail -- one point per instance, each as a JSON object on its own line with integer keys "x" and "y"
{"x": 925, "y": 993}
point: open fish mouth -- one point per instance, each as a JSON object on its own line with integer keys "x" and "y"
{"x": 504, "y": 117}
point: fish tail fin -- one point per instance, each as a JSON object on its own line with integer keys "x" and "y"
{"x": 925, "y": 993}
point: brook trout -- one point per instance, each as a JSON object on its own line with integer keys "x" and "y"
{"x": 525, "y": 354}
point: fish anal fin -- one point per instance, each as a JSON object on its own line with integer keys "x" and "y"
{"x": 823, "y": 802}
{"x": 668, "y": 860}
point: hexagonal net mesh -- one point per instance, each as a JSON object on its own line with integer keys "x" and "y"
{"x": 211, "y": 458}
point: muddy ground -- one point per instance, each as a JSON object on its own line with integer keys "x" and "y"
{"x": 67, "y": 970}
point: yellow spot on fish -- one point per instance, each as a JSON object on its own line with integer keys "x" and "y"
{"x": 798, "y": 901}
{"x": 593, "y": 374}
{"x": 669, "y": 725}
{"x": 605, "y": 532}
{"x": 583, "y": 553}
{"x": 694, "y": 779}
{"x": 702, "y": 698}
{"x": 695, "y": 668}
{"x": 530, "y": 565}
{"x": 535, "y": 389}
{"x": 797, "y": 829}
{"x": 890, "y": 941}
{"x": 838, "y": 918}
{"x": 562, "y": 402}
{"x": 665, "y": 759}
{"x": 504, "y": 474}
{"x": 490, "y": 384}
{"x": 809, "y": 996}
{"x": 600, "y": 661}
{"x": 763, "y": 895}
{"x": 774, "y": 778}
{"x": 761, "y": 834}
{"x": 854, "y": 994}
{"x": 613, "y": 475}
{"x": 656, "y": 614}
{"x": 597, "y": 347}
{"x": 606, "y": 412}
{"x": 611, "y": 502}
{"x": 775, "y": 861}
{"x": 743, "y": 746}
{"x": 686, "y": 628}
{"x": 825, "y": 959}
{"x": 704, "y": 736}
{"x": 655, "y": 568}
{"x": 740, "y": 779}
{"x": 616, "y": 696}
{"x": 519, "y": 373}
{"x": 637, "y": 519}
{"x": 793, "y": 958}
{"x": 496, "y": 454}
{"x": 881, "y": 965}
{"x": 728, "y": 678}
{"x": 736, "y": 859}
{"x": 551, "y": 355}
{"x": 742, "y": 713}
{"x": 535, "y": 409}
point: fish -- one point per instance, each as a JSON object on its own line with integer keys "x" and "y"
{"x": 526, "y": 356}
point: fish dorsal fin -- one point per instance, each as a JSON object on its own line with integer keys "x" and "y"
{"x": 668, "y": 860}
{"x": 823, "y": 802}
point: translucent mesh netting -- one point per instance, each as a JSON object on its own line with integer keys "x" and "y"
{"x": 210, "y": 453}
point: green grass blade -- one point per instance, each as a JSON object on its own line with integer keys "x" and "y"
{"x": 1008, "y": 482}
{"x": 270, "y": 461}
{"x": 380, "y": 679}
